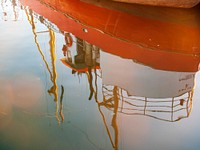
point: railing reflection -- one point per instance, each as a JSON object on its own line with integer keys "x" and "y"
{"x": 161, "y": 109}
{"x": 118, "y": 94}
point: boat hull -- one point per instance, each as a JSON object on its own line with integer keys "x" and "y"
{"x": 148, "y": 41}
{"x": 168, "y": 3}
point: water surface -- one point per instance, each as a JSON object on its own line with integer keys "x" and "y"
{"x": 72, "y": 81}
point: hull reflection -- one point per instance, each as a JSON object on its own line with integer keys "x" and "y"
{"x": 170, "y": 42}
{"x": 166, "y": 3}
{"x": 146, "y": 91}
{"x": 149, "y": 54}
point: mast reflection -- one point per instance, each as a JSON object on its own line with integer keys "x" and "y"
{"x": 53, "y": 74}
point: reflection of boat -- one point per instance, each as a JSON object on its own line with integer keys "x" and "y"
{"x": 128, "y": 97}
{"x": 148, "y": 44}
{"x": 172, "y": 42}
{"x": 86, "y": 58}
{"x": 119, "y": 95}
{"x": 140, "y": 80}
{"x": 131, "y": 89}
{"x": 169, "y": 3}
{"x": 164, "y": 95}
{"x": 76, "y": 67}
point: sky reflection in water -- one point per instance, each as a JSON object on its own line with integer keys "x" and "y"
{"x": 67, "y": 89}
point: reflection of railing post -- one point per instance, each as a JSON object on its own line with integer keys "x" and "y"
{"x": 115, "y": 112}
{"x": 172, "y": 110}
{"x": 122, "y": 101}
{"x": 14, "y": 3}
{"x": 88, "y": 54}
{"x": 189, "y": 106}
{"x": 145, "y": 105}
{"x": 112, "y": 102}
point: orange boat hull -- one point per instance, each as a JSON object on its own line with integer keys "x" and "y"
{"x": 167, "y": 3}
{"x": 161, "y": 45}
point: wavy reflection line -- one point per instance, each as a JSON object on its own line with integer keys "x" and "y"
{"x": 61, "y": 104}
{"x": 3, "y": 9}
{"x": 31, "y": 21}
{"x": 14, "y": 4}
{"x": 115, "y": 142}
{"x": 53, "y": 75}
{"x": 54, "y": 89}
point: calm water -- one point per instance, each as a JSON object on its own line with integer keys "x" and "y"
{"x": 79, "y": 80}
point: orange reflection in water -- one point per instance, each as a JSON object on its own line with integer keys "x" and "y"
{"x": 147, "y": 32}
{"x": 24, "y": 91}
{"x": 21, "y": 91}
{"x": 133, "y": 35}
